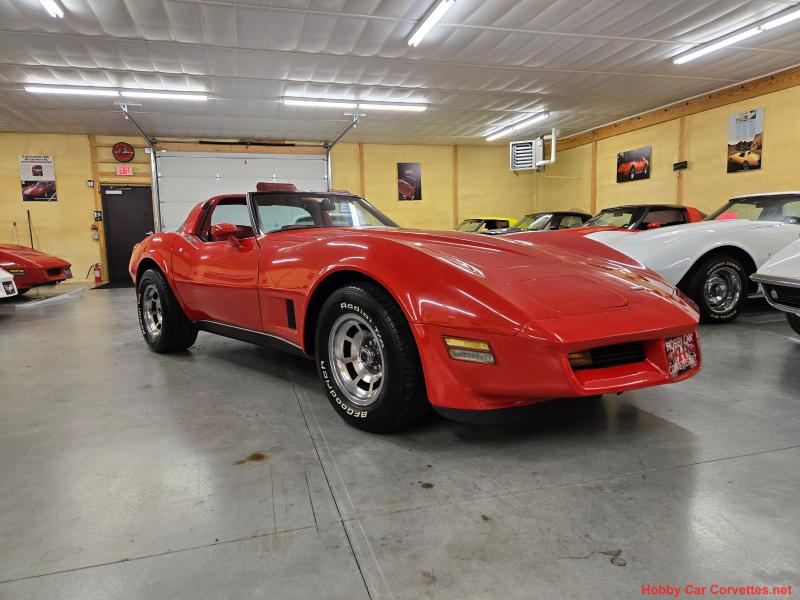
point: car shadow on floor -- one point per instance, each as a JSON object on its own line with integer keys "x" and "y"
{"x": 574, "y": 417}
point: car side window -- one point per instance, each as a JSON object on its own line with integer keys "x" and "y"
{"x": 570, "y": 221}
{"x": 791, "y": 210}
{"x": 275, "y": 217}
{"x": 234, "y": 212}
{"x": 665, "y": 217}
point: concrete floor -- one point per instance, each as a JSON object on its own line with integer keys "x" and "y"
{"x": 125, "y": 474}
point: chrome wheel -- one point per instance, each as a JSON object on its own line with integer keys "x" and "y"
{"x": 723, "y": 290}
{"x": 151, "y": 310}
{"x": 357, "y": 358}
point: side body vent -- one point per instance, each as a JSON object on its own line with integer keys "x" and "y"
{"x": 524, "y": 155}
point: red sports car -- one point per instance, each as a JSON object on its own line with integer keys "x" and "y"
{"x": 639, "y": 217}
{"x": 630, "y": 169}
{"x": 42, "y": 189}
{"x": 32, "y": 268}
{"x": 399, "y": 320}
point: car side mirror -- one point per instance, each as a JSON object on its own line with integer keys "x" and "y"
{"x": 225, "y": 231}
{"x": 653, "y": 225}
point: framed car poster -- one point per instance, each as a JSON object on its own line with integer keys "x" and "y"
{"x": 633, "y": 165}
{"x": 37, "y": 174}
{"x": 409, "y": 181}
{"x": 745, "y": 140}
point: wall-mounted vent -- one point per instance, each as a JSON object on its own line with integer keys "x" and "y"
{"x": 524, "y": 155}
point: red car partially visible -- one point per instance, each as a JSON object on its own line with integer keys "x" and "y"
{"x": 632, "y": 168}
{"x": 32, "y": 268}
{"x": 42, "y": 189}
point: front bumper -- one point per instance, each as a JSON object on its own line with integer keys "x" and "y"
{"x": 782, "y": 293}
{"x": 36, "y": 276}
{"x": 532, "y": 367}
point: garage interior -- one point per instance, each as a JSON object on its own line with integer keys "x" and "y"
{"x": 223, "y": 471}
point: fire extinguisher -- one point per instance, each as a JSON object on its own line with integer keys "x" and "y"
{"x": 98, "y": 273}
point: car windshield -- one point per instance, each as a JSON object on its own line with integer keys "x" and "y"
{"x": 616, "y": 217}
{"x": 760, "y": 208}
{"x": 470, "y": 225}
{"x": 278, "y": 212}
{"x": 535, "y": 222}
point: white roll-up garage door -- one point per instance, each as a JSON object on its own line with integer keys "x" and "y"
{"x": 186, "y": 178}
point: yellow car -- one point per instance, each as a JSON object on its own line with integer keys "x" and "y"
{"x": 485, "y": 224}
{"x": 746, "y": 159}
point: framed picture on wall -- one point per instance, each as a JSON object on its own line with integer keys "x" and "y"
{"x": 634, "y": 164}
{"x": 37, "y": 175}
{"x": 409, "y": 181}
{"x": 745, "y": 140}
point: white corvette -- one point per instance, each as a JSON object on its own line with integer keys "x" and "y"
{"x": 711, "y": 261}
{"x": 780, "y": 279}
{"x": 7, "y": 287}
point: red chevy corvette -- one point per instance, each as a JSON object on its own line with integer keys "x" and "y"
{"x": 32, "y": 268}
{"x": 632, "y": 168}
{"x": 399, "y": 320}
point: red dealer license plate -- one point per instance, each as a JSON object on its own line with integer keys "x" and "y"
{"x": 681, "y": 353}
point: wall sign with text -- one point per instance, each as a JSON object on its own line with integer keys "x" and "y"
{"x": 37, "y": 174}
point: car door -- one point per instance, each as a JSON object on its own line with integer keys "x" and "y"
{"x": 282, "y": 222}
{"x": 218, "y": 279}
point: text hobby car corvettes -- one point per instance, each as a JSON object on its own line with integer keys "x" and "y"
{"x": 780, "y": 279}
{"x": 399, "y": 320}
{"x": 711, "y": 261}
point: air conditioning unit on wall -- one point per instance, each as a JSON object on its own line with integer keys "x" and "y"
{"x": 524, "y": 155}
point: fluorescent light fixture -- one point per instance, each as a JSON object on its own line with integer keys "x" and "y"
{"x": 351, "y": 104}
{"x": 781, "y": 19}
{"x": 165, "y": 95}
{"x": 53, "y": 9}
{"x": 47, "y": 89}
{"x": 319, "y": 103}
{"x": 506, "y": 131}
{"x": 431, "y": 19}
{"x": 401, "y": 106}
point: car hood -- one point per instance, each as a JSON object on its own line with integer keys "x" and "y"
{"x": 784, "y": 265}
{"x": 540, "y": 277}
{"x": 644, "y": 241}
{"x": 29, "y": 257}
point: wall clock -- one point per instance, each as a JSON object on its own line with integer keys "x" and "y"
{"x": 122, "y": 151}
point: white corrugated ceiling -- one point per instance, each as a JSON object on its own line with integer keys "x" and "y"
{"x": 487, "y": 63}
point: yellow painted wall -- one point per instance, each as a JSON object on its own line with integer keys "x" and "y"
{"x": 486, "y": 186}
{"x": 60, "y": 228}
{"x": 660, "y": 187}
{"x": 567, "y": 183}
{"x": 706, "y": 183}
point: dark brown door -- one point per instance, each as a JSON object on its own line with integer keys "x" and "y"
{"x": 128, "y": 217}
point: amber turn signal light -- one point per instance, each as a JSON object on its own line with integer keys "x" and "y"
{"x": 580, "y": 359}
{"x": 476, "y": 351}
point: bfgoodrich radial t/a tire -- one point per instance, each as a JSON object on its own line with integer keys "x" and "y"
{"x": 718, "y": 285}
{"x": 164, "y": 326}
{"x": 368, "y": 361}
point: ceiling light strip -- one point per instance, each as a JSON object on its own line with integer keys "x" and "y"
{"x": 49, "y": 89}
{"x": 321, "y": 103}
{"x": 777, "y": 21}
{"x": 53, "y": 8}
{"x": 431, "y": 19}
{"x": 506, "y": 131}
{"x": 166, "y": 95}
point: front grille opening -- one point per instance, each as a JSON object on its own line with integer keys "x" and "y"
{"x": 610, "y": 356}
{"x": 55, "y": 271}
{"x": 783, "y": 294}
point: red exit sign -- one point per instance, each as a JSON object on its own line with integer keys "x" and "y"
{"x": 124, "y": 170}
